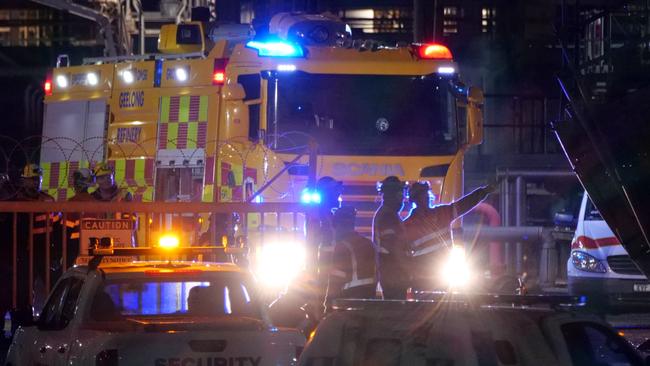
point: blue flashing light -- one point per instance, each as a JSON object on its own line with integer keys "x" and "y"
{"x": 310, "y": 197}
{"x": 276, "y": 48}
{"x": 158, "y": 70}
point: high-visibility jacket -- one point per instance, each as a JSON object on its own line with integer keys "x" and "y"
{"x": 353, "y": 264}
{"x": 39, "y": 225}
{"x": 390, "y": 247}
{"x": 325, "y": 240}
{"x": 428, "y": 230}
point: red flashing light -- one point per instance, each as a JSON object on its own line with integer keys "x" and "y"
{"x": 434, "y": 51}
{"x": 218, "y": 78}
{"x": 47, "y": 87}
{"x": 219, "y": 71}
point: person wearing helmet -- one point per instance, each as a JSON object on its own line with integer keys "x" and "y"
{"x": 352, "y": 274}
{"x": 428, "y": 231}
{"x": 108, "y": 191}
{"x": 387, "y": 232}
{"x": 82, "y": 180}
{"x": 31, "y": 180}
{"x": 43, "y": 225}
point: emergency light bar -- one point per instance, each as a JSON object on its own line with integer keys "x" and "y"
{"x": 276, "y": 48}
{"x": 159, "y": 251}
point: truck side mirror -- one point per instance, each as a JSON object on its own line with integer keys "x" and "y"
{"x": 475, "y": 100}
{"x": 233, "y": 91}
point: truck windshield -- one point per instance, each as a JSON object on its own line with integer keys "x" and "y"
{"x": 362, "y": 114}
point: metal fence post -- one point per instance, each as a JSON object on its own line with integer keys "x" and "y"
{"x": 14, "y": 267}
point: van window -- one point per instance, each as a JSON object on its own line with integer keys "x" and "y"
{"x": 591, "y": 212}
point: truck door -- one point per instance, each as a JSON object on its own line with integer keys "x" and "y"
{"x": 73, "y": 135}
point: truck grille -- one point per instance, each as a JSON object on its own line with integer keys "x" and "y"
{"x": 623, "y": 264}
{"x": 362, "y": 196}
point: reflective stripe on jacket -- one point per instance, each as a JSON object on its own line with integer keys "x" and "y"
{"x": 353, "y": 262}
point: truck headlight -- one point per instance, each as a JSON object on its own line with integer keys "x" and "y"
{"x": 586, "y": 262}
{"x": 456, "y": 271}
{"x": 279, "y": 262}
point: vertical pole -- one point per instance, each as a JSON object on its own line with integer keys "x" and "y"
{"x": 520, "y": 191}
{"x": 435, "y": 20}
{"x": 275, "y": 113}
{"x": 313, "y": 164}
{"x": 142, "y": 31}
{"x": 30, "y": 243}
{"x": 64, "y": 241}
{"x": 147, "y": 229}
{"x": 14, "y": 268}
{"x": 48, "y": 226}
{"x": 417, "y": 20}
{"x": 544, "y": 122}
{"x": 506, "y": 222}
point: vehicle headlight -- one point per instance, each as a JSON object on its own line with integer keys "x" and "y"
{"x": 279, "y": 262}
{"x": 456, "y": 271}
{"x": 588, "y": 263}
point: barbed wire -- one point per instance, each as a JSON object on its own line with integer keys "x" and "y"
{"x": 71, "y": 153}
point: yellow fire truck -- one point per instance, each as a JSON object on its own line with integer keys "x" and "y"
{"x": 220, "y": 111}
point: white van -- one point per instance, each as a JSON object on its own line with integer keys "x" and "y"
{"x": 598, "y": 265}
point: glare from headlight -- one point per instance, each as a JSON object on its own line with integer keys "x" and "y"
{"x": 92, "y": 79}
{"x": 61, "y": 81}
{"x": 127, "y": 76}
{"x": 181, "y": 74}
{"x": 586, "y": 262}
{"x": 456, "y": 271}
{"x": 278, "y": 263}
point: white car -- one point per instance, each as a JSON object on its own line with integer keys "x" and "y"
{"x": 469, "y": 331}
{"x": 599, "y": 267}
{"x": 155, "y": 313}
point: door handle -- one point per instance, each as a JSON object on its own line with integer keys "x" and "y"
{"x": 62, "y": 349}
{"x": 43, "y": 349}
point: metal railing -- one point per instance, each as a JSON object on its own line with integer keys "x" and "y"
{"x": 58, "y": 241}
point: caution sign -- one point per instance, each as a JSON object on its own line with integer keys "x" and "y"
{"x": 120, "y": 230}
{"x": 83, "y": 260}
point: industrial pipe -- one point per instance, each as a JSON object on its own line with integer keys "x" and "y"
{"x": 495, "y": 252}
{"x": 525, "y": 234}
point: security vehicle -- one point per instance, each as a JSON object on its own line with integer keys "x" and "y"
{"x": 161, "y": 313}
{"x": 465, "y": 330}
{"x": 599, "y": 265}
